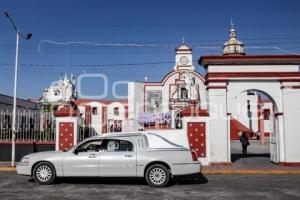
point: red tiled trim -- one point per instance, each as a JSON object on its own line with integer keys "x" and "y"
{"x": 290, "y": 164}
{"x": 249, "y": 60}
{"x": 215, "y": 81}
{"x": 216, "y": 87}
{"x": 289, "y": 80}
{"x": 251, "y": 74}
{"x": 291, "y": 87}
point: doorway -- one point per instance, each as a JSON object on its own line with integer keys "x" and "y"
{"x": 254, "y": 115}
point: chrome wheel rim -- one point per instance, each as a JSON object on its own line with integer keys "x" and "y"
{"x": 43, "y": 173}
{"x": 157, "y": 176}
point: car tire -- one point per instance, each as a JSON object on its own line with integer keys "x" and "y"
{"x": 157, "y": 175}
{"x": 44, "y": 173}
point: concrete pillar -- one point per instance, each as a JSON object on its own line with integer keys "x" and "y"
{"x": 173, "y": 125}
{"x": 218, "y": 128}
{"x": 291, "y": 125}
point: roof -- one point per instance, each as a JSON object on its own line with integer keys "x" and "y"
{"x": 239, "y": 126}
{"x": 183, "y": 47}
{"x": 249, "y": 60}
{"x": 85, "y": 101}
{"x": 7, "y": 101}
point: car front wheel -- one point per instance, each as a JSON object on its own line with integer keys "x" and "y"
{"x": 157, "y": 175}
{"x": 44, "y": 173}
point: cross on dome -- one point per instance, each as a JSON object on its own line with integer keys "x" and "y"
{"x": 233, "y": 46}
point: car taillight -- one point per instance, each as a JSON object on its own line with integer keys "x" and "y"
{"x": 194, "y": 156}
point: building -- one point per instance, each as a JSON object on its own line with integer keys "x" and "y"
{"x": 255, "y": 94}
{"x": 27, "y": 113}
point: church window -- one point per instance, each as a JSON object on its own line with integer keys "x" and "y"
{"x": 266, "y": 114}
{"x": 184, "y": 93}
{"x": 94, "y": 110}
{"x": 116, "y": 111}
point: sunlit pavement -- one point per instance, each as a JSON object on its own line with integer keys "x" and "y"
{"x": 13, "y": 186}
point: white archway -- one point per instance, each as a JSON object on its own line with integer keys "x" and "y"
{"x": 276, "y": 75}
{"x": 247, "y": 109}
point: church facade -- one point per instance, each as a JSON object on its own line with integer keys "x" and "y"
{"x": 255, "y": 94}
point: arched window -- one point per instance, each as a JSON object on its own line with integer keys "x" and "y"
{"x": 184, "y": 93}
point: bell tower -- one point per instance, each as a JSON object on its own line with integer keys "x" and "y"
{"x": 183, "y": 57}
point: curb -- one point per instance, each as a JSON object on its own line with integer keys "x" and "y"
{"x": 8, "y": 169}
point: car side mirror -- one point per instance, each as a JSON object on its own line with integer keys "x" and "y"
{"x": 75, "y": 151}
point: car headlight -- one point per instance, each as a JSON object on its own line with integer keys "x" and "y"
{"x": 25, "y": 160}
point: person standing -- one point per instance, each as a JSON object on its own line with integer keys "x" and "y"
{"x": 245, "y": 142}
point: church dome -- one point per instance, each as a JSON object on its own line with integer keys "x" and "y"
{"x": 233, "y": 46}
{"x": 183, "y": 46}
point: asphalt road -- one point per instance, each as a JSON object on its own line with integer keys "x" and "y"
{"x": 217, "y": 187}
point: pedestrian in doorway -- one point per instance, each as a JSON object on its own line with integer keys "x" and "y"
{"x": 258, "y": 135}
{"x": 245, "y": 142}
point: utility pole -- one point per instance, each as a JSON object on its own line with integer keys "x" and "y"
{"x": 14, "y": 129}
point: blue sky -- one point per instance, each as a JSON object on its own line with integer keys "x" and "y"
{"x": 261, "y": 25}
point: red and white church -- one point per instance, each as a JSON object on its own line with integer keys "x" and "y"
{"x": 256, "y": 94}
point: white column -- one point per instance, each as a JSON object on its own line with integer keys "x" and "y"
{"x": 291, "y": 124}
{"x": 173, "y": 125}
{"x": 218, "y": 127}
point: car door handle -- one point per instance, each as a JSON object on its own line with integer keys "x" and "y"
{"x": 92, "y": 156}
{"x": 128, "y": 156}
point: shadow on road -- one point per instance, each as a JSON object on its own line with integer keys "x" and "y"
{"x": 191, "y": 179}
{"x": 235, "y": 157}
{"x": 182, "y": 180}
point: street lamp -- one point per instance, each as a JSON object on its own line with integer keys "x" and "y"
{"x": 26, "y": 37}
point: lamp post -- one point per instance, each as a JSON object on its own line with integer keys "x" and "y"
{"x": 26, "y": 37}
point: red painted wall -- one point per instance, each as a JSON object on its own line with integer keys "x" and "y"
{"x": 197, "y": 137}
{"x": 66, "y": 135}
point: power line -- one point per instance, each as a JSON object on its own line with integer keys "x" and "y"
{"x": 172, "y": 42}
{"x": 98, "y": 26}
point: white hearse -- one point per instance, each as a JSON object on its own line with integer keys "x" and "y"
{"x": 146, "y": 155}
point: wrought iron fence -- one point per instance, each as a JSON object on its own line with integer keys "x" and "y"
{"x": 31, "y": 125}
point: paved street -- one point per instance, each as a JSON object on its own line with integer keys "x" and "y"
{"x": 273, "y": 187}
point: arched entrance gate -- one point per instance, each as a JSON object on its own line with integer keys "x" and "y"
{"x": 275, "y": 75}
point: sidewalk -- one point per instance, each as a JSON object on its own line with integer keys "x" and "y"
{"x": 257, "y": 162}
{"x": 6, "y": 167}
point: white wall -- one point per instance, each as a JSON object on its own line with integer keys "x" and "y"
{"x": 268, "y": 124}
{"x": 253, "y": 68}
{"x": 96, "y": 120}
{"x": 272, "y": 88}
{"x": 218, "y": 126}
{"x": 291, "y": 120}
{"x": 240, "y": 111}
{"x": 135, "y": 103}
{"x": 111, "y": 114}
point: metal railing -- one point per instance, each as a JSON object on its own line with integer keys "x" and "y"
{"x": 31, "y": 125}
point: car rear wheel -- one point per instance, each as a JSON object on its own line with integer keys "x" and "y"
{"x": 44, "y": 173}
{"x": 157, "y": 175}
